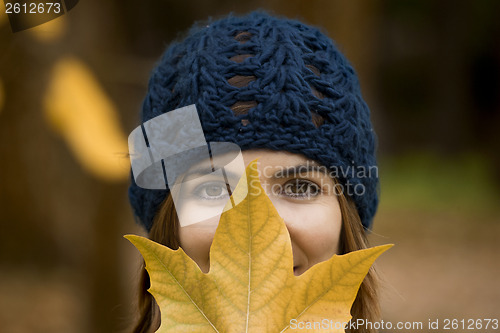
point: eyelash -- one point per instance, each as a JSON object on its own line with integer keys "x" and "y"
{"x": 198, "y": 190}
{"x": 300, "y": 183}
{"x": 283, "y": 190}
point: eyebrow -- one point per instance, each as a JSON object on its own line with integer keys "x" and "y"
{"x": 301, "y": 169}
{"x": 202, "y": 171}
{"x": 294, "y": 170}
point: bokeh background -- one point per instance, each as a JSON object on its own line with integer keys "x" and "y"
{"x": 70, "y": 91}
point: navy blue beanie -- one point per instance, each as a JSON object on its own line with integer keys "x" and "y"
{"x": 304, "y": 98}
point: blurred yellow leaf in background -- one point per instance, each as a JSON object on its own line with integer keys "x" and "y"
{"x": 251, "y": 286}
{"x": 78, "y": 109}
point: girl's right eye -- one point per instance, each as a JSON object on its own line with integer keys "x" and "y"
{"x": 301, "y": 189}
{"x": 211, "y": 191}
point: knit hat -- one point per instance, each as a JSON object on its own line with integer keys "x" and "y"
{"x": 298, "y": 94}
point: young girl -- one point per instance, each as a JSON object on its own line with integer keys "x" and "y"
{"x": 283, "y": 93}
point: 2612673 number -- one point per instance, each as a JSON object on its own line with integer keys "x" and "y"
{"x": 32, "y": 8}
{"x": 470, "y": 324}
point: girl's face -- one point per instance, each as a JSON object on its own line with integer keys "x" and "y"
{"x": 303, "y": 194}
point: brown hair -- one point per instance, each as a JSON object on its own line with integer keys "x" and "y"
{"x": 165, "y": 231}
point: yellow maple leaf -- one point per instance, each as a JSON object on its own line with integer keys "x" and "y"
{"x": 251, "y": 286}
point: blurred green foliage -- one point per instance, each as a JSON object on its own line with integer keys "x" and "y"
{"x": 433, "y": 183}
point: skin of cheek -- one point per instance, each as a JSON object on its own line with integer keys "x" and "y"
{"x": 314, "y": 230}
{"x": 196, "y": 239}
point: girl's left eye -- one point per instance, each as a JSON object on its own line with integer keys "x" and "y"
{"x": 300, "y": 189}
{"x": 211, "y": 191}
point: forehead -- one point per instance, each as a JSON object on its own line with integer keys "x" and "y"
{"x": 271, "y": 163}
{"x": 272, "y": 158}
